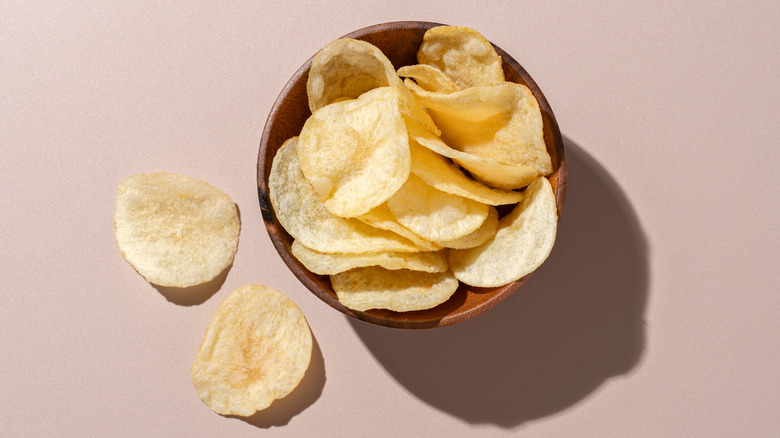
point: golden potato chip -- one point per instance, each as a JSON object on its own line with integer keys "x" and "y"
{"x": 523, "y": 241}
{"x": 401, "y": 291}
{"x": 326, "y": 264}
{"x": 347, "y": 68}
{"x": 342, "y": 99}
{"x": 479, "y": 236}
{"x": 257, "y": 349}
{"x": 301, "y": 213}
{"x": 382, "y": 217}
{"x": 491, "y": 172}
{"x": 355, "y": 154}
{"x": 442, "y": 175}
{"x": 463, "y": 54}
{"x": 175, "y": 230}
{"x": 502, "y": 122}
{"x": 433, "y": 214}
{"x": 429, "y": 78}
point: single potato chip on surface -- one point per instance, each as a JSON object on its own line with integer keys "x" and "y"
{"x": 347, "y": 68}
{"x": 491, "y": 172}
{"x": 257, "y": 349}
{"x": 303, "y": 216}
{"x": 174, "y": 230}
{"x": 355, "y": 154}
{"x": 433, "y": 214}
{"x": 522, "y": 243}
{"x": 401, "y": 291}
{"x": 442, "y": 175}
{"x": 327, "y": 264}
{"x": 501, "y": 122}
{"x": 429, "y": 78}
{"x": 463, "y": 54}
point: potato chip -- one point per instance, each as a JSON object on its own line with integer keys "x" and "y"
{"x": 326, "y": 264}
{"x": 442, "y": 175}
{"x": 502, "y": 122}
{"x": 342, "y": 99}
{"x": 401, "y": 291}
{"x": 301, "y": 213}
{"x": 523, "y": 241}
{"x": 355, "y": 154}
{"x": 347, "y": 68}
{"x": 175, "y": 230}
{"x": 257, "y": 349}
{"x": 433, "y": 214}
{"x": 463, "y": 54}
{"x": 382, "y": 217}
{"x": 491, "y": 172}
{"x": 429, "y": 78}
{"x": 479, "y": 236}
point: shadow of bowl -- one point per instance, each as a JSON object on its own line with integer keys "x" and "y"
{"x": 576, "y": 323}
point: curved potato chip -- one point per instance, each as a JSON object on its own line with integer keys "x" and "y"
{"x": 433, "y": 214}
{"x": 523, "y": 241}
{"x": 463, "y": 54}
{"x": 301, "y": 213}
{"x": 442, "y": 175}
{"x": 326, "y": 264}
{"x": 479, "y": 236}
{"x": 429, "y": 78}
{"x": 175, "y": 230}
{"x": 382, "y": 217}
{"x": 349, "y": 68}
{"x": 342, "y": 99}
{"x": 355, "y": 154}
{"x": 491, "y": 172}
{"x": 401, "y": 291}
{"x": 502, "y": 122}
{"x": 257, "y": 349}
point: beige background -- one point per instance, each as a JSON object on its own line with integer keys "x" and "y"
{"x": 656, "y": 315}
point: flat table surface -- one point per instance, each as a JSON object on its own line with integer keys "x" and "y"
{"x": 655, "y": 315}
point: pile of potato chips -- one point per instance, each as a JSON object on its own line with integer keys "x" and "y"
{"x": 392, "y": 185}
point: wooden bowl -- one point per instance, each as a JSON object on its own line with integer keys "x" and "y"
{"x": 399, "y": 41}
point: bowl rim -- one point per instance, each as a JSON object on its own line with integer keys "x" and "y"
{"x": 380, "y": 317}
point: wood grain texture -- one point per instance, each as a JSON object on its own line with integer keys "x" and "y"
{"x": 399, "y": 41}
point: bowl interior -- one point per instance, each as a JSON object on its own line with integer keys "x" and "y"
{"x": 399, "y": 41}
